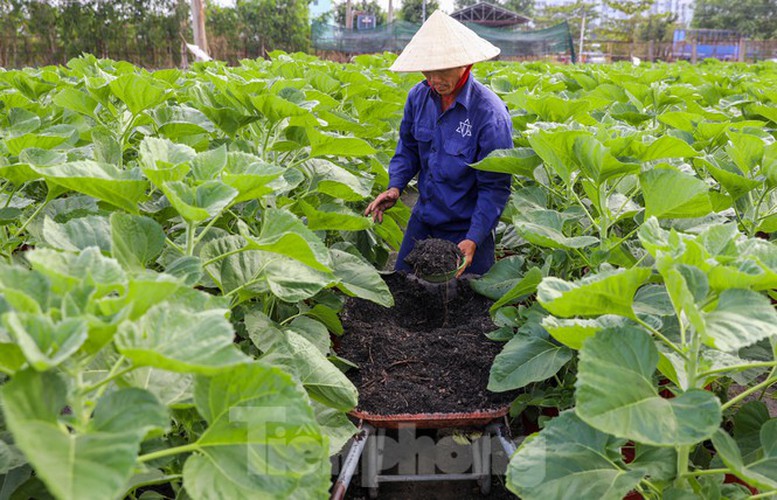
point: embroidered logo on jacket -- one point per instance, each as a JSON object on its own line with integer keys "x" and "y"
{"x": 465, "y": 128}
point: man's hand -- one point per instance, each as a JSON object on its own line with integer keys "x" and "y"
{"x": 468, "y": 248}
{"x": 381, "y": 203}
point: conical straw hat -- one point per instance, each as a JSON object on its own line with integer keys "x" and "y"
{"x": 442, "y": 43}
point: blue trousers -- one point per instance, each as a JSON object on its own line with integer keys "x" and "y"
{"x": 417, "y": 231}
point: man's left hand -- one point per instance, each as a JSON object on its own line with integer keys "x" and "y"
{"x": 467, "y": 248}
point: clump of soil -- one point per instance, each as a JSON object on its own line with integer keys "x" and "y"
{"x": 412, "y": 359}
{"x": 433, "y": 256}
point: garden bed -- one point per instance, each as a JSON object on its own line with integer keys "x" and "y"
{"x": 427, "y": 354}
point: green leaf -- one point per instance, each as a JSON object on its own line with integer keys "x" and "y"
{"x": 664, "y": 147}
{"x": 615, "y": 392}
{"x": 339, "y": 182}
{"x": 45, "y": 139}
{"x": 524, "y": 360}
{"x": 207, "y": 165}
{"x": 670, "y": 193}
{"x": 262, "y": 439}
{"x": 331, "y": 216}
{"x": 95, "y": 462}
{"x": 164, "y": 161}
{"x": 746, "y": 151}
{"x": 359, "y": 279}
{"x": 106, "y": 147}
{"x": 761, "y": 472}
{"x": 283, "y": 233}
{"x": 298, "y": 356}
{"x": 323, "y": 144}
{"x": 735, "y": 184}
{"x": 527, "y": 285}
{"x": 741, "y": 318}
{"x": 135, "y": 240}
{"x": 137, "y": 92}
{"x": 121, "y": 188}
{"x": 515, "y": 161}
{"x": 335, "y": 425}
{"x": 597, "y": 163}
{"x": 174, "y": 390}
{"x": 249, "y": 176}
{"x": 314, "y": 331}
{"x": 78, "y": 234}
{"x": 556, "y": 150}
{"x": 570, "y": 458}
{"x": 608, "y": 292}
{"x": 65, "y": 270}
{"x": 180, "y": 340}
{"x": 44, "y": 343}
{"x": 504, "y": 275}
{"x": 545, "y": 228}
{"x": 197, "y": 204}
{"x": 276, "y": 108}
{"x": 76, "y": 100}
{"x": 573, "y": 332}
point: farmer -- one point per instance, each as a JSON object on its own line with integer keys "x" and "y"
{"x": 450, "y": 121}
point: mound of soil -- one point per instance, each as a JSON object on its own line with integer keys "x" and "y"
{"x": 426, "y": 354}
{"x": 433, "y": 256}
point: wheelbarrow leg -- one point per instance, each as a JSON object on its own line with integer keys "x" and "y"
{"x": 351, "y": 461}
{"x": 373, "y": 460}
{"x": 481, "y": 462}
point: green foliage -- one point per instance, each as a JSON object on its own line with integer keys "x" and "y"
{"x": 750, "y": 18}
{"x": 412, "y": 10}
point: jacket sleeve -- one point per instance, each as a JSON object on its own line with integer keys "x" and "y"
{"x": 406, "y": 162}
{"x": 493, "y": 188}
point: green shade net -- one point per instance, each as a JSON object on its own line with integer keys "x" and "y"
{"x": 393, "y": 38}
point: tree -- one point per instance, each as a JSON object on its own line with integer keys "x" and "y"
{"x": 624, "y": 26}
{"x": 658, "y": 27}
{"x": 523, "y": 7}
{"x": 268, "y": 25}
{"x": 412, "y": 10}
{"x": 573, "y": 13}
{"x": 751, "y": 18}
{"x": 370, "y": 6}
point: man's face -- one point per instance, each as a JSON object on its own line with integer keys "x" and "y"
{"x": 444, "y": 80}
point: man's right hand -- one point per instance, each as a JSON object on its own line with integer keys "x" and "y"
{"x": 381, "y": 203}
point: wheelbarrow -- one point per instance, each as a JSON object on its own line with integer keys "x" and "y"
{"x": 369, "y": 443}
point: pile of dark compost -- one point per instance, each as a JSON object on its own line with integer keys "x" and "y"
{"x": 433, "y": 256}
{"x": 417, "y": 358}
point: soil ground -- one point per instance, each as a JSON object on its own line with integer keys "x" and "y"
{"x": 427, "y": 354}
{"x": 434, "y": 257}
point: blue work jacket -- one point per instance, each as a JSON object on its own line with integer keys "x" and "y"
{"x": 439, "y": 146}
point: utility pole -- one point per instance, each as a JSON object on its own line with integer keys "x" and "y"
{"x": 198, "y": 25}
{"x": 348, "y": 15}
{"x": 582, "y": 37}
{"x": 423, "y": 12}
{"x": 390, "y": 12}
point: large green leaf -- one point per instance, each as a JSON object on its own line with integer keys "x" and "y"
{"x": 45, "y": 344}
{"x": 197, "y": 204}
{"x": 249, "y": 176}
{"x": 616, "y": 393}
{"x": 597, "y": 163}
{"x": 121, "y": 188}
{"x": 44, "y": 139}
{"x": 331, "y": 216}
{"x": 546, "y": 228}
{"x": 95, "y": 462}
{"x": 760, "y": 472}
{"x": 524, "y": 360}
{"x": 570, "y": 459}
{"x": 180, "y": 340}
{"x": 670, "y": 193}
{"x": 359, "y": 279}
{"x": 663, "y": 147}
{"x": 338, "y": 182}
{"x": 331, "y": 145}
{"x": 527, "y": 285}
{"x": 137, "y": 92}
{"x": 298, "y": 356}
{"x": 741, "y": 318}
{"x": 573, "y": 332}
{"x": 76, "y": 100}
{"x": 252, "y": 273}
{"x": 516, "y": 161}
{"x": 556, "y": 150}
{"x": 78, "y": 234}
{"x": 262, "y": 439}
{"x": 504, "y": 275}
{"x": 746, "y": 151}
{"x": 283, "y": 233}
{"x": 276, "y": 108}
{"x": 65, "y": 270}
{"x": 135, "y": 240}
{"x": 608, "y": 292}
{"x": 163, "y": 161}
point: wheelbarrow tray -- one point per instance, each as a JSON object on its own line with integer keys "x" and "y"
{"x": 479, "y": 418}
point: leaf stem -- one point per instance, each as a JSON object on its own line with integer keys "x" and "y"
{"x": 176, "y": 247}
{"x": 744, "y": 394}
{"x": 111, "y": 375}
{"x": 765, "y": 494}
{"x": 190, "y": 228}
{"x": 108, "y": 379}
{"x": 168, "y": 452}
{"x": 661, "y": 336}
{"x": 29, "y": 219}
{"x": 758, "y": 364}
{"x": 682, "y": 462}
{"x": 706, "y": 472}
{"x": 209, "y": 225}
{"x": 223, "y": 256}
